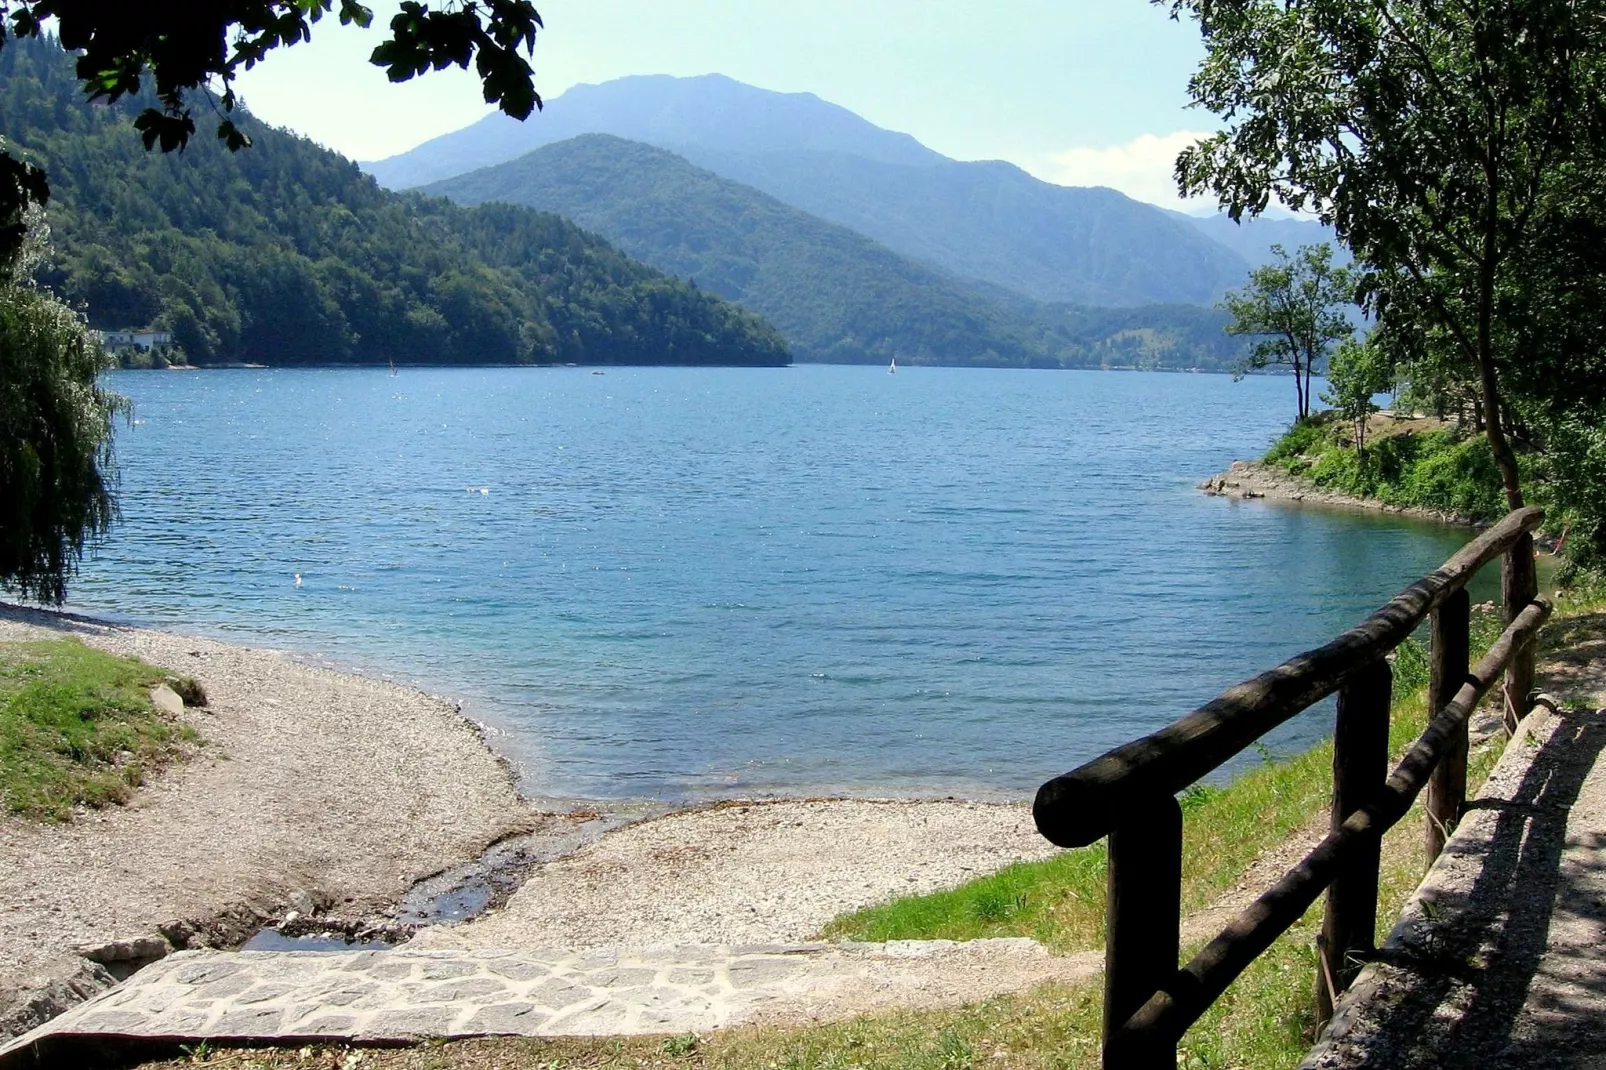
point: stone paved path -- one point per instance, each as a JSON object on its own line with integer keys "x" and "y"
{"x": 1500, "y": 960}
{"x": 378, "y": 996}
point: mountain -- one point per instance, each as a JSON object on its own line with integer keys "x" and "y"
{"x": 1253, "y": 238}
{"x": 286, "y": 253}
{"x": 989, "y": 221}
{"x": 834, "y": 294}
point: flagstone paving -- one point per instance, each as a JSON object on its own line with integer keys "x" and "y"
{"x": 401, "y": 995}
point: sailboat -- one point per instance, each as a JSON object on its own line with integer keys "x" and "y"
{"x": 393, "y": 368}
{"x": 892, "y": 369}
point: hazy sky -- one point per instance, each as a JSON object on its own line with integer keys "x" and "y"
{"x": 1083, "y": 92}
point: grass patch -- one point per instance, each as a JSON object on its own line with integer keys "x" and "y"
{"x": 77, "y": 728}
{"x": 1060, "y": 901}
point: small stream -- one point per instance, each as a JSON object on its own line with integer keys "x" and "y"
{"x": 453, "y": 896}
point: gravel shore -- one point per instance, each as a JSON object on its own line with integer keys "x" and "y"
{"x": 749, "y": 873}
{"x": 313, "y": 788}
{"x": 321, "y": 790}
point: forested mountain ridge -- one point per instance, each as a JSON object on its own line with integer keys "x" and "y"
{"x": 836, "y": 295}
{"x": 285, "y": 253}
{"x": 989, "y": 221}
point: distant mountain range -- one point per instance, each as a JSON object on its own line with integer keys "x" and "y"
{"x": 834, "y": 294}
{"x": 986, "y": 221}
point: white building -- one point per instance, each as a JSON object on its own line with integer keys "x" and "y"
{"x": 137, "y": 339}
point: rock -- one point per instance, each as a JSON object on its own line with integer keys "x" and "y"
{"x": 138, "y": 949}
{"x": 302, "y": 903}
{"x": 166, "y": 699}
{"x": 53, "y": 996}
{"x": 189, "y": 689}
{"x": 178, "y": 933}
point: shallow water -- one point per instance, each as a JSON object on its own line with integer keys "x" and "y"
{"x": 688, "y": 583}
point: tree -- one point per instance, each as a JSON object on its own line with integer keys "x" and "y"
{"x": 1294, "y": 307}
{"x": 1430, "y": 134}
{"x": 55, "y": 426}
{"x": 1357, "y": 372}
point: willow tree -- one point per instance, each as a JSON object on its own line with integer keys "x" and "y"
{"x": 55, "y": 421}
{"x": 1429, "y": 134}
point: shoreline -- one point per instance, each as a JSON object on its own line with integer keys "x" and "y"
{"x": 325, "y": 804}
{"x": 1256, "y": 480}
{"x": 313, "y": 793}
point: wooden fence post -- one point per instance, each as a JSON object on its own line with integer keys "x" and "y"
{"x": 1519, "y": 585}
{"x": 1449, "y": 654}
{"x": 1360, "y": 767}
{"x": 1143, "y": 922}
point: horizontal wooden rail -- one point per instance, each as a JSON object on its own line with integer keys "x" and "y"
{"x": 1081, "y": 806}
{"x": 1161, "y": 1022}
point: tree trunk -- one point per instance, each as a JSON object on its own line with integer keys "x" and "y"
{"x": 1504, "y": 458}
{"x": 1487, "y": 380}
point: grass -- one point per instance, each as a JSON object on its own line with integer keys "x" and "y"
{"x": 1265, "y": 1020}
{"x": 1435, "y": 468}
{"x": 1060, "y": 902}
{"x": 77, "y": 728}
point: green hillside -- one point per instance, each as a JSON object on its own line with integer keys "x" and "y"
{"x": 286, "y": 254}
{"x": 983, "y": 219}
{"x": 835, "y": 295}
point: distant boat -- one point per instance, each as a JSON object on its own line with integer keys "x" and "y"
{"x": 892, "y": 369}
{"x": 392, "y": 367}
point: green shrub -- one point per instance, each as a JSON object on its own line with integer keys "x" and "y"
{"x": 1310, "y": 434}
{"x": 1458, "y": 477}
{"x": 1437, "y": 470}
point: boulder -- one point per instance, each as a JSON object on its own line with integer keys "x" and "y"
{"x": 166, "y": 699}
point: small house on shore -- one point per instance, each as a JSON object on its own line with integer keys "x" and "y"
{"x": 146, "y": 340}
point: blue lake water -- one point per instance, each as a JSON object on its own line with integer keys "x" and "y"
{"x": 687, "y": 583}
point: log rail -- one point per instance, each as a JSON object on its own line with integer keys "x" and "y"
{"x": 1129, "y": 795}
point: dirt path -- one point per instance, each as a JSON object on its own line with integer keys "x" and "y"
{"x": 314, "y": 788}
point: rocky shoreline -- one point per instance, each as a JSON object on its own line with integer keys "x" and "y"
{"x": 1251, "y": 480}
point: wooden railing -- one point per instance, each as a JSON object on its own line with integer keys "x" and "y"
{"x": 1130, "y": 795}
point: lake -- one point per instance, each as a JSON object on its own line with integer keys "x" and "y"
{"x": 681, "y": 584}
